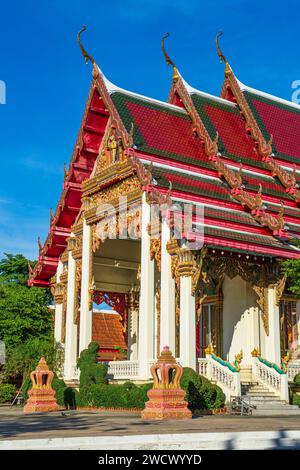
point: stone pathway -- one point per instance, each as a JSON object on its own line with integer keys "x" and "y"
{"x": 14, "y": 424}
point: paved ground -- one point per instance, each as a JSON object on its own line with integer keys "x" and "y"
{"x": 14, "y": 424}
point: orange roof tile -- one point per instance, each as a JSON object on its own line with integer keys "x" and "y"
{"x": 107, "y": 331}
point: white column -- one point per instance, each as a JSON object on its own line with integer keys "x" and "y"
{"x": 132, "y": 334}
{"x": 71, "y": 327}
{"x": 85, "y": 335}
{"x": 146, "y": 307}
{"x": 273, "y": 339}
{"x": 187, "y": 324}
{"x": 167, "y": 296}
{"x": 58, "y": 309}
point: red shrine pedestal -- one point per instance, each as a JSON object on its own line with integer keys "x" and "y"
{"x": 41, "y": 396}
{"x": 166, "y": 398}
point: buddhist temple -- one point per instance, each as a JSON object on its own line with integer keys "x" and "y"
{"x": 216, "y": 294}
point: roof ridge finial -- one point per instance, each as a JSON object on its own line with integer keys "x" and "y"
{"x": 86, "y": 56}
{"x": 167, "y": 58}
{"x": 222, "y": 56}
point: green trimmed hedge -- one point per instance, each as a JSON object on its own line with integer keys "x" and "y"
{"x": 113, "y": 396}
{"x": 7, "y": 393}
{"x": 201, "y": 394}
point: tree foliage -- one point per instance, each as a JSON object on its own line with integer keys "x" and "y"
{"x": 24, "y": 311}
{"x": 24, "y": 358}
{"x": 292, "y": 269}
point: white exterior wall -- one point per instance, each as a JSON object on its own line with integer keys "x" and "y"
{"x": 240, "y": 319}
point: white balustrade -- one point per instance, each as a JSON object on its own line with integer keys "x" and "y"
{"x": 226, "y": 379}
{"x": 123, "y": 370}
{"x": 293, "y": 368}
{"x": 202, "y": 366}
{"x": 272, "y": 379}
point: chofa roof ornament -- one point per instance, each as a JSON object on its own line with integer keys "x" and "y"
{"x": 86, "y": 56}
{"x": 167, "y": 58}
{"x": 222, "y": 57}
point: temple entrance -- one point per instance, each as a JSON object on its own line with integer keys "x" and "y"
{"x": 209, "y": 327}
{"x": 115, "y": 298}
{"x": 109, "y": 325}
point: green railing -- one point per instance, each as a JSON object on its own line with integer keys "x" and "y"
{"x": 224, "y": 363}
{"x": 272, "y": 365}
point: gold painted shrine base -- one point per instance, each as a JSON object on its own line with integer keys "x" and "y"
{"x": 41, "y": 400}
{"x": 41, "y": 396}
{"x": 166, "y": 404}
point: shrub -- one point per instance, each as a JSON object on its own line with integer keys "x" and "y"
{"x": 201, "y": 394}
{"x": 94, "y": 390}
{"x": 7, "y": 392}
{"x": 296, "y": 399}
{"x": 125, "y": 396}
{"x": 91, "y": 372}
{"x": 297, "y": 379}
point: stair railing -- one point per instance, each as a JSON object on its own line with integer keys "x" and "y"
{"x": 293, "y": 368}
{"x": 224, "y": 374}
{"x": 272, "y": 376}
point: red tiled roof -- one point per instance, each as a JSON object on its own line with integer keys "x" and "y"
{"x": 279, "y": 120}
{"x": 166, "y": 132}
{"x": 231, "y": 129}
{"x": 107, "y": 331}
{"x": 161, "y": 130}
{"x": 163, "y": 133}
{"x": 285, "y": 137}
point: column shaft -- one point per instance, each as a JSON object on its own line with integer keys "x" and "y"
{"x": 167, "y": 296}
{"x": 71, "y": 327}
{"x": 146, "y": 307}
{"x": 85, "y": 335}
{"x": 58, "y": 309}
{"x": 273, "y": 339}
{"x": 187, "y": 324}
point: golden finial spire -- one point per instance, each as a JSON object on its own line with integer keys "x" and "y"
{"x": 221, "y": 55}
{"x": 86, "y": 56}
{"x": 167, "y": 58}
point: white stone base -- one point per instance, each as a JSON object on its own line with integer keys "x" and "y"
{"x": 258, "y": 440}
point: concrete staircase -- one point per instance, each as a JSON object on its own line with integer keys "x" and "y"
{"x": 264, "y": 401}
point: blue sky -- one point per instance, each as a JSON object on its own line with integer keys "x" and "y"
{"x": 47, "y": 80}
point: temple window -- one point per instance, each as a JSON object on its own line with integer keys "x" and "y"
{"x": 288, "y": 324}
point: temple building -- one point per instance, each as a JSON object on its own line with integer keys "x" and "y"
{"x": 216, "y": 294}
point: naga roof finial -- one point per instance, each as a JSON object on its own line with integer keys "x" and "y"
{"x": 167, "y": 58}
{"x": 221, "y": 55}
{"x": 86, "y": 56}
